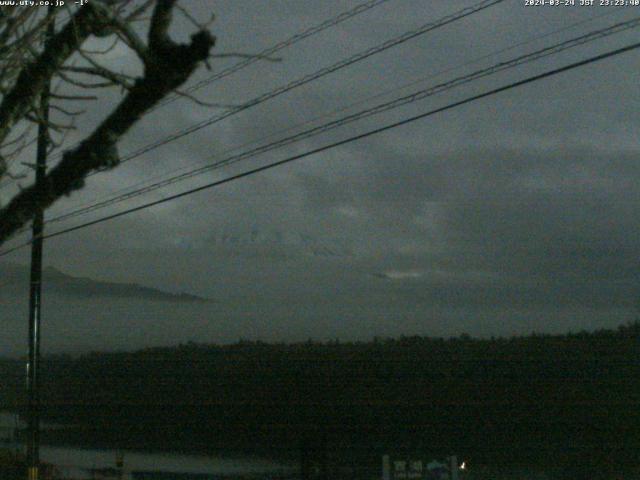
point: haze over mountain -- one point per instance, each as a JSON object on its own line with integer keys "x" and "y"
{"x": 275, "y": 284}
{"x": 57, "y": 282}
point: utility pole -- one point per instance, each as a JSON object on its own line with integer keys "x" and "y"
{"x": 35, "y": 290}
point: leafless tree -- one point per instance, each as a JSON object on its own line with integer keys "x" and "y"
{"x": 28, "y": 65}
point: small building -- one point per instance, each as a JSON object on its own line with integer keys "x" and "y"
{"x": 416, "y": 468}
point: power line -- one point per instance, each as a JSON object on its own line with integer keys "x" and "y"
{"x": 121, "y": 192}
{"x": 383, "y": 107}
{"x": 403, "y": 38}
{"x": 267, "y": 52}
{"x": 354, "y": 138}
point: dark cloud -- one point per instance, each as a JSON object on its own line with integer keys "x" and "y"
{"x": 511, "y": 214}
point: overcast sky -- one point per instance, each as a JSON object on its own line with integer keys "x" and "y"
{"x": 513, "y": 214}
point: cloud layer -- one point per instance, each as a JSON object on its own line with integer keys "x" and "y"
{"x": 512, "y": 214}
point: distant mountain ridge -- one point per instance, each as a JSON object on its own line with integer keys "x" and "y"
{"x": 62, "y": 283}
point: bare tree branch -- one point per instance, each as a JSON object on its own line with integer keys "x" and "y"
{"x": 69, "y": 113}
{"x": 102, "y": 52}
{"x": 73, "y": 97}
{"x": 114, "y": 79}
{"x": 167, "y": 65}
{"x": 139, "y": 11}
{"x": 32, "y": 78}
{"x": 80, "y": 83}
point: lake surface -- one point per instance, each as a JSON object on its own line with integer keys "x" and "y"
{"x": 75, "y": 458}
{"x": 79, "y": 458}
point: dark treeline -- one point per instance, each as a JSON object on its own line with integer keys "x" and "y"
{"x": 569, "y": 402}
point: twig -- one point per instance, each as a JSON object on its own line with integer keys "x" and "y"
{"x": 73, "y": 97}
{"x": 69, "y": 113}
{"x": 80, "y": 83}
{"x": 202, "y": 102}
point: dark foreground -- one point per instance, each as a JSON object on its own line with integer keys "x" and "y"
{"x": 567, "y": 405}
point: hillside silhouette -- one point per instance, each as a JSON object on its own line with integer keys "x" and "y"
{"x": 563, "y": 402}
